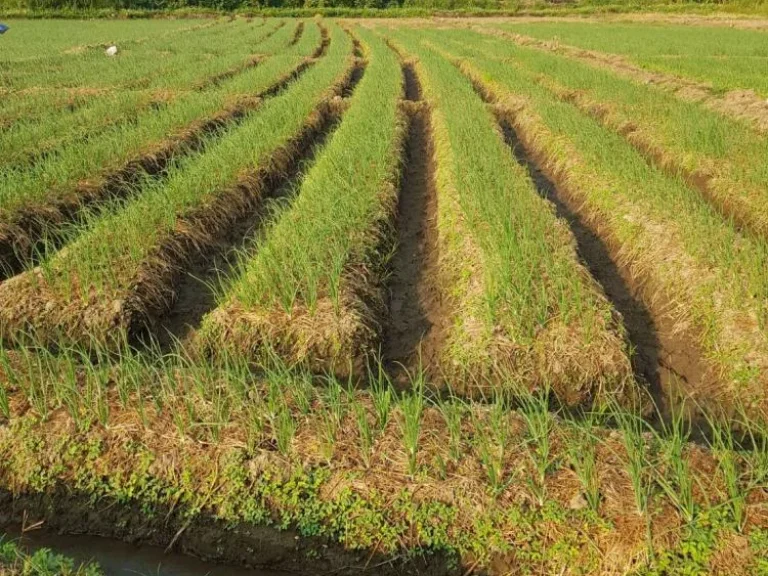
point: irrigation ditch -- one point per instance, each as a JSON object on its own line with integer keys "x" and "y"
{"x": 172, "y": 541}
{"x": 119, "y": 558}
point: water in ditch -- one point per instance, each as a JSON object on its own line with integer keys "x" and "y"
{"x": 117, "y": 558}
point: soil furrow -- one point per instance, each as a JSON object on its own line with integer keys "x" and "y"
{"x": 297, "y": 34}
{"x": 19, "y": 238}
{"x": 359, "y": 69}
{"x": 278, "y": 87}
{"x": 217, "y": 79}
{"x": 651, "y": 362}
{"x": 335, "y": 320}
{"x": 412, "y": 333}
{"x": 252, "y": 61}
{"x": 151, "y": 290}
{"x": 20, "y": 242}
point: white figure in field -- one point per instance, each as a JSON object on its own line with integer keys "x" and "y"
{"x": 111, "y": 51}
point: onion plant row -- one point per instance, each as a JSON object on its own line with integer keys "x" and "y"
{"x": 314, "y": 291}
{"x": 34, "y": 137}
{"x": 689, "y": 264}
{"x": 720, "y": 157}
{"x": 58, "y": 185}
{"x": 725, "y": 58}
{"x": 521, "y": 302}
{"x": 118, "y": 274}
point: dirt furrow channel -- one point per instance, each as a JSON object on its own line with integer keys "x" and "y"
{"x": 297, "y": 34}
{"x": 662, "y": 360}
{"x": 412, "y": 334}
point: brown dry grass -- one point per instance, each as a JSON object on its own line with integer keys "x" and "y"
{"x": 328, "y": 338}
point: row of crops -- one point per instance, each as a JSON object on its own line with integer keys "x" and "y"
{"x": 301, "y": 271}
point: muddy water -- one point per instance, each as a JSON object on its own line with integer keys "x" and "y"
{"x": 118, "y": 558}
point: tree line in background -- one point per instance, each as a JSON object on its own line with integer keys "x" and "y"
{"x": 229, "y": 5}
{"x": 87, "y": 5}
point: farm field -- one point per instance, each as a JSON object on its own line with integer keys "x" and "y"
{"x": 402, "y": 296}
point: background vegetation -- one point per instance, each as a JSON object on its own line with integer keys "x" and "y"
{"x": 134, "y": 8}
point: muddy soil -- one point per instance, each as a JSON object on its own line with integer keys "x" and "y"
{"x": 412, "y": 334}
